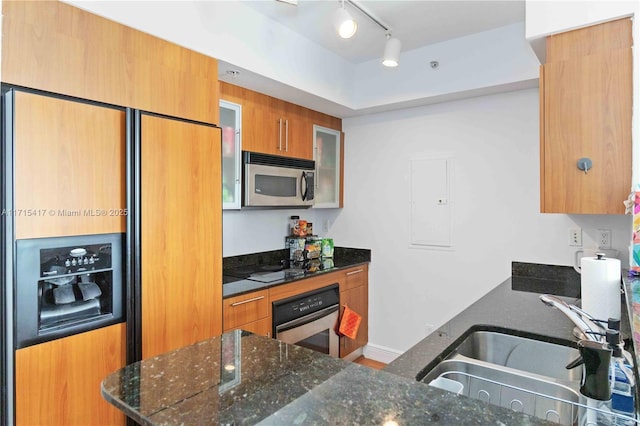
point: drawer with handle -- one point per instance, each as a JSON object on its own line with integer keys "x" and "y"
{"x": 244, "y": 309}
{"x": 355, "y": 277}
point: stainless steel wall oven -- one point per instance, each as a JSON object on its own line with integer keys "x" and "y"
{"x": 66, "y": 285}
{"x": 309, "y": 320}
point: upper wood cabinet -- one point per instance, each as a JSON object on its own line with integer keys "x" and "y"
{"x": 273, "y": 126}
{"x": 52, "y": 46}
{"x": 69, "y": 167}
{"x": 585, "y": 112}
{"x": 181, "y": 217}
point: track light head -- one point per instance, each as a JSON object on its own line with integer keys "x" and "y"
{"x": 344, "y": 23}
{"x": 391, "y": 51}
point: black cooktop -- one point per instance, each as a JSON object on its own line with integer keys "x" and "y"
{"x": 260, "y": 273}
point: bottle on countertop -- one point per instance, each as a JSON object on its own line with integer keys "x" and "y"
{"x": 623, "y": 382}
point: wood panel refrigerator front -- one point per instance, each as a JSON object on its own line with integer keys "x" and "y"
{"x": 181, "y": 222}
{"x": 58, "y": 382}
{"x": 70, "y": 162}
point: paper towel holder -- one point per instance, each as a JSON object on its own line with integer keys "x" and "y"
{"x": 591, "y": 252}
{"x": 585, "y": 164}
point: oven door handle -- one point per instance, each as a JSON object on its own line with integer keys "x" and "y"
{"x": 298, "y": 322}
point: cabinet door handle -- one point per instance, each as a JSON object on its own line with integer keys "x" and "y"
{"x": 242, "y": 302}
{"x": 279, "y": 134}
{"x": 286, "y": 135}
{"x": 317, "y": 159}
{"x": 357, "y": 271}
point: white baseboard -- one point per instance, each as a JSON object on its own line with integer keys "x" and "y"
{"x": 380, "y": 353}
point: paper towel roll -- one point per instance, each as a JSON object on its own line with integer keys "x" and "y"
{"x": 600, "y": 287}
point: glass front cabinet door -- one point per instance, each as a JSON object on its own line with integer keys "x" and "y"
{"x": 326, "y": 153}
{"x": 230, "y": 121}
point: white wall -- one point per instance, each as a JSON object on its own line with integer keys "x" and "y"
{"x": 251, "y": 231}
{"x": 495, "y": 143}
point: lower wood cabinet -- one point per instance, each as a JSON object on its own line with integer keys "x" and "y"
{"x": 58, "y": 382}
{"x": 251, "y": 312}
{"x": 354, "y": 293}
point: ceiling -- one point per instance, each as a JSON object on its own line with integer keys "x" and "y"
{"x": 416, "y": 23}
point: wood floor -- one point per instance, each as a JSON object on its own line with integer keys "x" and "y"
{"x": 370, "y": 363}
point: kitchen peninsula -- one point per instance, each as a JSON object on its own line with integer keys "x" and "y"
{"x": 241, "y": 378}
{"x": 245, "y": 379}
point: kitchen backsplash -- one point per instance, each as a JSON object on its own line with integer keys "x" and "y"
{"x": 274, "y": 257}
{"x": 253, "y": 231}
{"x": 538, "y": 278}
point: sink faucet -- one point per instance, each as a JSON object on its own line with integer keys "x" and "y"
{"x": 589, "y": 327}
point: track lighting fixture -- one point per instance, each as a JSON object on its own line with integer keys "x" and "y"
{"x": 347, "y": 26}
{"x": 344, "y": 23}
{"x": 391, "y": 51}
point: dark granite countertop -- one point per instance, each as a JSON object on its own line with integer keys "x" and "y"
{"x": 514, "y": 304}
{"x": 343, "y": 258}
{"x": 273, "y": 383}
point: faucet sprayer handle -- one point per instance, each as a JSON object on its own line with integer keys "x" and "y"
{"x": 595, "y": 377}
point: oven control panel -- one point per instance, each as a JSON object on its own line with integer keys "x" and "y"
{"x": 305, "y": 304}
{"x": 309, "y": 304}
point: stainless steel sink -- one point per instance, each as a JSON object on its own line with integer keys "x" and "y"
{"x": 519, "y": 373}
{"x": 521, "y": 353}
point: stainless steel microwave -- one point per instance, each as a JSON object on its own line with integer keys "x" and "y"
{"x": 275, "y": 181}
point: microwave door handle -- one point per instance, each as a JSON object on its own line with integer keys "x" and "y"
{"x": 304, "y": 189}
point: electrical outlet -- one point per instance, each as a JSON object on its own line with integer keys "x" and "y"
{"x": 604, "y": 238}
{"x": 428, "y": 329}
{"x": 575, "y": 237}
